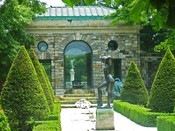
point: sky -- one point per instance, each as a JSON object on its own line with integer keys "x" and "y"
{"x": 53, "y": 2}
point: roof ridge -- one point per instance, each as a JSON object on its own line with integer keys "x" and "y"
{"x": 78, "y": 12}
{"x": 80, "y": 7}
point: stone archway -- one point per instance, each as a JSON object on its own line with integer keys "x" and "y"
{"x": 78, "y": 65}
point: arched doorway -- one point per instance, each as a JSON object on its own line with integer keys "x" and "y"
{"x": 78, "y": 65}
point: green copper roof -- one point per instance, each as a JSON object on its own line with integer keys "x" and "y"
{"x": 76, "y": 13}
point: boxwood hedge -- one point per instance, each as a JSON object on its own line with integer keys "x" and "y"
{"x": 138, "y": 114}
{"x": 166, "y": 123}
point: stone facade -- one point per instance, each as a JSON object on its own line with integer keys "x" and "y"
{"x": 96, "y": 33}
{"x": 149, "y": 65}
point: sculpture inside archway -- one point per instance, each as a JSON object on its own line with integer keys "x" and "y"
{"x": 78, "y": 65}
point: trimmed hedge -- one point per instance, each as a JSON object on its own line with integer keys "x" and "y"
{"x": 53, "y": 123}
{"x": 138, "y": 114}
{"x": 166, "y": 123}
{"x": 3, "y": 122}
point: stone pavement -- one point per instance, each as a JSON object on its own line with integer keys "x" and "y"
{"x": 76, "y": 119}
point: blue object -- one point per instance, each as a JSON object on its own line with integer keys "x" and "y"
{"x": 117, "y": 87}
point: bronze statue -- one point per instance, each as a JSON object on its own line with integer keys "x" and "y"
{"x": 108, "y": 83}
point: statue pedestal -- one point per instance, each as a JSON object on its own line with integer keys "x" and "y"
{"x": 105, "y": 119}
{"x": 72, "y": 75}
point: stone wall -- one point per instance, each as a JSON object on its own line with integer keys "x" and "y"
{"x": 149, "y": 66}
{"x": 97, "y": 36}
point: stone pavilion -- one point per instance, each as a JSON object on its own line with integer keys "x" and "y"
{"x": 83, "y": 34}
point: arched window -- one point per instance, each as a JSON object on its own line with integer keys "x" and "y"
{"x": 78, "y": 65}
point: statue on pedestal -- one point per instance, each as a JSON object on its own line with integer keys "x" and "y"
{"x": 72, "y": 64}
{"x": 108, "y": 83}
{"x": 72, "y": 72}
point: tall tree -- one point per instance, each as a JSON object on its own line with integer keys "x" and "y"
{"x": 22, "y": 98}
{"x": 138, "y": 11}
{"x": 15, "y": 15}
{"x": 75, "y": 2}
{"x": 168, "y": 43}
{"x": 149, "y": 38}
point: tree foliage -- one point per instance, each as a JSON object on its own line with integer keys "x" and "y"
{"x": 42, "y": 79}
{"x": 159, "y": 13}
{"x": 149, "y": 38}
{"x": 80, "y": 64}
{"x": 134, "y": 90}
{"x": 162, "y": 96}
{"x": 15, "y": 15}
{"x": 22, "y": 97}
{"x": 76, "y": 2}
{"x": 168, "y": 43}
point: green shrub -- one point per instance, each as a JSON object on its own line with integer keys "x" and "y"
{"x": 3, "y": 122}
{"x": 166, "y": 123}
{"x": 162, "y": 94}
{"x": 53, "y": 123}
{"x": 22, "y": 98}
{"x": 138, "y": 114}
{"x": 48, "y": 82}
{"x": 134, "y": 90}
{"x": 42, "y": 78}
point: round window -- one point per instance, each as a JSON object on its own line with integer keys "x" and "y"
{"x": 42, "y": 46}
{"x": 112, "y": 45}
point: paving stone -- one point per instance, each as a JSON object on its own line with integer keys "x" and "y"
{"x": 76, "y": 119}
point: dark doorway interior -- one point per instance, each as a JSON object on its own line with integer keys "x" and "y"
{"x": 116, "y": 72}
{"x": 47, "y": 66}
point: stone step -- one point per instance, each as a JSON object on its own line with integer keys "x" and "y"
{"x": 78, "y": 98}
{"x": 73, "y": 105}
{"x": 80, "y": 91}
{"x": 79, "y": 95}
{"x": 73, "y": 102}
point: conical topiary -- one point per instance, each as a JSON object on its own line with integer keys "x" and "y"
{"x": 22, "y": 97}
{"x": 162, "y": 94}
{"x": 42, "y": 78}
{"x": 48, "y": 82}
{"x": 134, "y": 90}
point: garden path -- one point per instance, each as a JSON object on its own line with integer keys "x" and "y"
{"x": 76, "y": 119}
